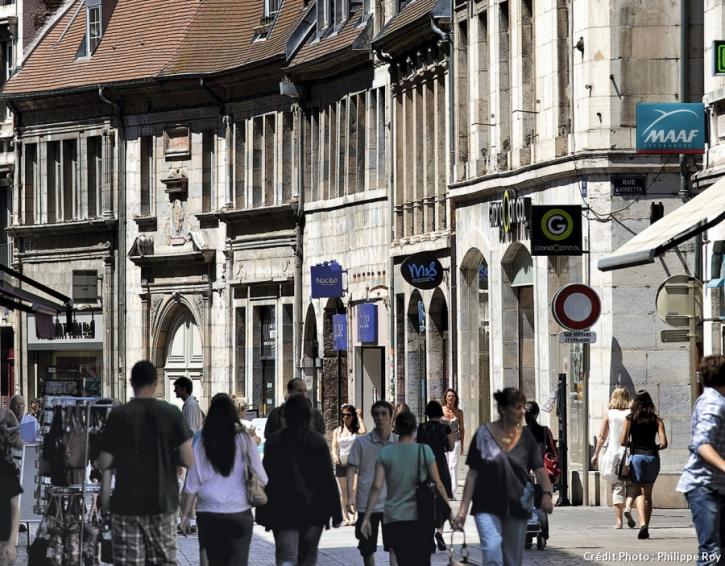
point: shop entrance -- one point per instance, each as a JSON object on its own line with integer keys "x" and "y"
{"x": 184, "y": 357}
{"x": 370, "y": 380}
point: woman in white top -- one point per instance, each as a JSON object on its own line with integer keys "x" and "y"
{"x": 216, "y": 482}
{"x": 342, "y": 440}
{"x": 622, "y": 492}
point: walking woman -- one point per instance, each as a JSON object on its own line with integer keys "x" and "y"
{"x": 216, "y": 482}
{"x": 640, "y": 428}
{"x": 545, "y": 440}
{"x": 453, "y": 416}
{"x": 500, "y": 458}
{"x": 302, "y": 492}
{"x": 343, "y": 438}
{"x": 623, "y": 492}
{"x": 441, "y": 439}
{"x": 400, "y": 467}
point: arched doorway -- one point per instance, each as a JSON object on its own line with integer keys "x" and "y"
{"x": 519, "y": 348}
{"x": 311, "y": 356}
{"x": 416, "y": 394}
{"x": 334, "y": 367}
{"x": 438, "y": 370}
{"x": 475, "y": 385}
{"x": 184, "y": 356}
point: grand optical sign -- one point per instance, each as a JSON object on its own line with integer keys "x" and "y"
{"x": 671, "y": 128}
{"x": 556, "y": 230}
{"x": 509, "y": 213}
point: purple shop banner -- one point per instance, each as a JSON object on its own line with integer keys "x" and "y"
{"x": 339, "y": 332}
{"x": 326, "y": 280}
{"x": 367, "y": 323}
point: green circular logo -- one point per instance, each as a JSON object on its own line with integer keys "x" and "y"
{"x": 557, "y": 224}
{"x": 506, "y": 216}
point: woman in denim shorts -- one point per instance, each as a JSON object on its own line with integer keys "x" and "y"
{"x": 641, "y": 427}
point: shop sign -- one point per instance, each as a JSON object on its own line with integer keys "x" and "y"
{"x": 422, "y": 271}
{"x": 556, "y": 230}
{"x": 509, "y": 212}
{"x": 339, "y": 332}
{"x": 577, "y": 337}
{"x": 367, "y": 323}
{"x": 629, "y": 186}
{"x": 85, "y": 331}
{"x": 675, "y": 127}
{"x": 326, "y": 280}
{"x": 718, "y": 53}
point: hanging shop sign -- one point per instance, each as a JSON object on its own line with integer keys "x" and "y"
{"x": 556, "y": 230}
{"x": 367, "y": 323}
{"x": 629, "y": 186}
{"x": 718, "y": 54}
{"x": 339, "y": 332}
{"x": 576, "y": 307}
{"x": 84, "y": 332}
{"x": 509, "y": 212}
{"x": 326, "y": 280}
{"x": 676, "y": 127}
{"x": 422, "y": 271}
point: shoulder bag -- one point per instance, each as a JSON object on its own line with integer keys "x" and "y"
{"x": 623, "y": 465}
{"x": 256, "y": 495}
{"x": 433, "y": 510}
{"x": 551, "y": 458}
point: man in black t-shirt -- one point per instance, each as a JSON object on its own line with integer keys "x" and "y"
{"x": 143, "y": 443}
{"x": 10, "y": 491}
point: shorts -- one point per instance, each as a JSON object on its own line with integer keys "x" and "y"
{"x": 621, "y": 490}
{"x": 143, "y": 540}
{"x": 368, "y": 546}
{"x": 340, "y": 470}
{"x": 644, "y": 469}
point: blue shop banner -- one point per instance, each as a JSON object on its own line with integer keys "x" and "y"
{"x": 326, "y": 280}
{"x": 367, "y": 323}
{"x": 674, "y": 127}
{"x": 339, "y": 332}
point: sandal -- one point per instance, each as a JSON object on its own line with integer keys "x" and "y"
{"x": 628, "y": 515}
{"x": 618, "y": 525}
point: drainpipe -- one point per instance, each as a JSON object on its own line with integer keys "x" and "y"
{"x": 299, "y": 239}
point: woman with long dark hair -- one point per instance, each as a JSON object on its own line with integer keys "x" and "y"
{"x": 453, "y": 416}
{"x": 302, "y": 492}
{"x": 217, "y": 483}
{"x": 640, "y": 428}
{"x": 343, "y": 438}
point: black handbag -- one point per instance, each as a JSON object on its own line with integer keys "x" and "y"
{"x": 623, "y": 466}
{"x": 433, "y": 510}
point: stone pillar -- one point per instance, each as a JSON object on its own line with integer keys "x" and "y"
{"x": 108, "y": 150}
{"x": 17, "y": 183}
{"x": 109, "y": 350}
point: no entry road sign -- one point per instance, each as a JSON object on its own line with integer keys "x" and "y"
{"x": 576, "y": 306}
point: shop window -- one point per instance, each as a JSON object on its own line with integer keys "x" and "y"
{"x": 85, "y": 286}
{"x": 240, "y": 349}
{"x": 265, "y": 370}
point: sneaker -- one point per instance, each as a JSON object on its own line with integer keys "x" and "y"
{"x": 440, "y": 542}
{"x": 643, "y": 532}
{"x": 628, "y": 515}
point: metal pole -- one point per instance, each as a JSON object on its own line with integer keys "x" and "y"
{"x": 339, "y": 385}
{"x": 692, "y": 336}
{"x": 561, "y": 399}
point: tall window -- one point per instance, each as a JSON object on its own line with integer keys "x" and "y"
{"x": 95, "y": 175}
{"x": 70, "y": 178}
{"x": 271, "y": 7}
{"x": 94, "y": 27}
{"x": 31, "y": 182}
{"x": 53, "y": 179}
{"x": 207, "y": 168}
{"x": 147, "y": 174}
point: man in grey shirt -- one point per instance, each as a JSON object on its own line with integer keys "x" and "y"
{"x": 361, "y": 461}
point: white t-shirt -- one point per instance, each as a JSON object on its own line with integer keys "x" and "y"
{"x": 219, "y": 494}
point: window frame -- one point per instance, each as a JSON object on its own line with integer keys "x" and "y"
{"x": 97, "y": 26}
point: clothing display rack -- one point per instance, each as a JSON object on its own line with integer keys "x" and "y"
{"x": 84, "y": 413}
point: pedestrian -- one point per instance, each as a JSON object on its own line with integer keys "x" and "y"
{"x": 17, "y": 406}
{"x": 703, "y": 480}
{"x": 623, "y": 491}
{"x": 343, "y": 438}
{"x": 251, "y": 430}
{"x": 453, "y": 415}
{"x": 361, "y": 466}
{"x": 143, "y": 442}
{"x": 302, "y": 492}
{"x": 400, "y": 466}
{"x": 399, "y": 408}
{"x": 217, "y": 483}
{"x": 276, "y": 418}
{"x": 441, "y": 439}
{"x": 9, "y": 422}
{"x": 640, "y": 428}
{"x": 194, "y": 417}
{"x": 501, "y": 457}
{"x": 10, "y": 491}
{"x": 545, "y": 441}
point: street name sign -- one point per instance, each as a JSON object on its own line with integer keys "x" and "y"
{"x": 577, "y": 337}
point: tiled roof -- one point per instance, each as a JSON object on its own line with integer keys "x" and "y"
{"x": 412, "y": 12}
{"x": 315, "y": 50}
{"x": 153, "y": 38}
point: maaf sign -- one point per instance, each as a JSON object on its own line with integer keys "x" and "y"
{"x": 670, "y": 127}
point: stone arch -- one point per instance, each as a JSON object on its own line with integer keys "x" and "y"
{"x": 517, "y": 306}
{"x": 416, "y": 387}
{"x": 438, "y": 343}
{"x": 310, "y": 354}
{"x": 475, "y": 340}
{"x": 333, "y": 388}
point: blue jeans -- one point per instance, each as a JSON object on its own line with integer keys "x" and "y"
{"x": 502, "y": 539}
{"x": 707, "y": 508}
{"x": 297, "y": 547}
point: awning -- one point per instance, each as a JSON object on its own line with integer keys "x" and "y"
{"x": 696, "y": 215}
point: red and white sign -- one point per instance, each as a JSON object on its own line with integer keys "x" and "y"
{"x": 576, "y": 306}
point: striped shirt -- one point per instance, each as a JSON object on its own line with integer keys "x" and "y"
{"x": 192, "y": 414}
{"x": 708, "y": 427}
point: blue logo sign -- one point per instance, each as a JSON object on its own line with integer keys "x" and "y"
{"x": 422, "y": 270}
{"x": 367, "y": 323}
{"x": 671, "y": 127}
{"x": 339, "y": 332}
{"x": 326, "y": 280}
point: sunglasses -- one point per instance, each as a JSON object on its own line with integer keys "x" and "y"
{"x": 346, "y": 414}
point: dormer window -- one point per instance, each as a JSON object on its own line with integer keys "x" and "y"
{"x": 271, "y": 9}
{"x": 94, "y": 27}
